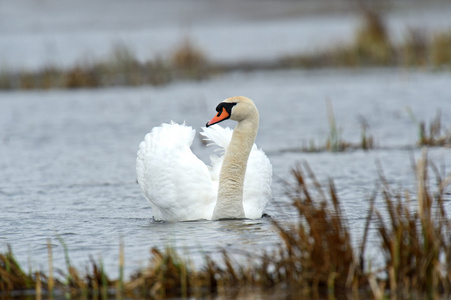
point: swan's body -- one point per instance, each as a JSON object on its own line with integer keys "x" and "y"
{"x": 181, "y": 187}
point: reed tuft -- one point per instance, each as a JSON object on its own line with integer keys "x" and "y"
{"x": 13, "y": 278}
{"x": 187, "y": 56}
{"x": 432, "y": 134}
{"x": 372, "y": 43}
{"x": 318, "y": 254}
{"x": 441, "y": 49}
{"x": 414, "y": 237}
{"x": 166, "y": 276}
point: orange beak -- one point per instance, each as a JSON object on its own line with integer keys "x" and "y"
{"x": 221, "y": 116}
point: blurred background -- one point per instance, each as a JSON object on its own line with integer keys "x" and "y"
{"x": 37, "y": 34}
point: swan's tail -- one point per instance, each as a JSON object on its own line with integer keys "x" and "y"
{"x": 217, "y": 136}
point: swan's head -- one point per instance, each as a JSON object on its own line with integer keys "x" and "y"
{"x": 235, "y": 108}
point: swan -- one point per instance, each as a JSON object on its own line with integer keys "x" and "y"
{"x": 180, "y": 187}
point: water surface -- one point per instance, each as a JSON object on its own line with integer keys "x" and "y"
{"x": 67, "y": 158}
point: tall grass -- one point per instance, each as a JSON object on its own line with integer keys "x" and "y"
{"x": 372, "y": 46}
{"x": 415, "y": 241}
{"x": 432, "y": 134}
{"x": 441, "y": 49}
{"x": 335, "y": 142}
{"x": 12, "y": 277}
{"x": 366, "y": 140}
{"x": 120, "y": 68}
{"x": 372, "y": 43}
{"x": 190, "y": 61}
{"x": 316, "y": 257}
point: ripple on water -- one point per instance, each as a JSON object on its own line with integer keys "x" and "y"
{"x": 80, "y": 184}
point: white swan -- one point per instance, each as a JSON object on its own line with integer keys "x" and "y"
{"x": 180, "y": 187}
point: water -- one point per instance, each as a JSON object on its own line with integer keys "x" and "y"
{"x": 67, "y": 158}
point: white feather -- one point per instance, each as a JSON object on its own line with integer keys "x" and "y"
{"x": 181, "y": 187}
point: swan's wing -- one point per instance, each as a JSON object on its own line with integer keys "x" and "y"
{"x": 175, "y": 182}
{"x": 258, "y": 178}
{"x": 257, "y": 184}
{"x": 220, "y": 137}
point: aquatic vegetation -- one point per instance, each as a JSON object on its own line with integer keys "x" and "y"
{"x": 189, "y": 61}
{"x": 415, "y": 242}
{"x": 372, "y": 46}
{"x": 316, "y": 256}
{"x": 441, "y": 49}
{"x": 366, "y": 140}
{"x": 372, "y": 43}
{"x": 335, "y": 142}
{"x": 167, "y": 275}
{"x": 433, "y": 135}
{"x": 12, "y": 277}
{"x": 121, "y": 68}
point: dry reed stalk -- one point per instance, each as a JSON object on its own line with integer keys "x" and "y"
{"x": 120, "y": 282}
{"x": 318, "y": 252}
{"x": 414, "y": 240}
{"x": 368, "y": 221}
{"x": 441, "y": 49}
{"x": 167, "y": 275}
{"x": 51, "y": 281}
{"x": 376, "y": 288}
{"x": 38, "y": 287}
{"x": 372, "y": 43}
{"x": 188, "y": 57}
{"x": 12, "y": 277}
{"x": 434, "y": 137}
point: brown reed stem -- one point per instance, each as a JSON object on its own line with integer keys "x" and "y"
{"x": 38, "y": 287}
{"x": 50, "y": 281}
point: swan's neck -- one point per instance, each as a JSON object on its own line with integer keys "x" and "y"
{"x": 229, "y": 204}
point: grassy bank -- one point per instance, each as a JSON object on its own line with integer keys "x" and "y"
{"x": 120, "y": 69}
{"x": 316, "y": 257}
{"x": 371, "y": 47}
